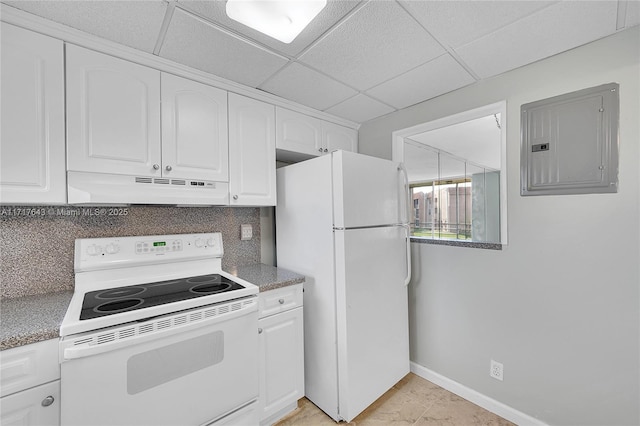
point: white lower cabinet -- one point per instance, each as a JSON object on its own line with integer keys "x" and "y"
{"x": 280, "y": 328}
{"x": 36, "y": 406}
{"x": 30, "y": 385}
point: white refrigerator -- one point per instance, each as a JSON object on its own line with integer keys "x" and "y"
{"x": 342, "y": 221}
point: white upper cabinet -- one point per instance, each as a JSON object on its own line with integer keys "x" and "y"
{"x": 252, "y": 152}
{"x": 32, "y": 163}
{"x": 299, "y": 136}
{"x": 336, "y": 137}
{"x": 113, "y": 115}
{"x": 298, "y": 132}
{"x": 115, "y": 124}
{"x": 194, "y": 130}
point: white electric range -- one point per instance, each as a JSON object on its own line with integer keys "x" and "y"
{"x": 158, "y": 334}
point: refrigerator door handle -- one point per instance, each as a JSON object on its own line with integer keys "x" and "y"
{"x": 405, "y": 190}
{"x": 406, "y": 225}
{"x": 407, "y": 229}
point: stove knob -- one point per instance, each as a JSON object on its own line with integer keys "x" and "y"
{"x": 112, "y": 248}
{"x": 91, "y": 250}
{"x": 199, "y": 242}
{"x": 211, "y": 242}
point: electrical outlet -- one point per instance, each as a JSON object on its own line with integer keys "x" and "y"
{"x": 497, "y": 370}
{"x": 246, "y": 232}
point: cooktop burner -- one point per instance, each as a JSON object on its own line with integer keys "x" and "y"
{"x": 122, "y": 299}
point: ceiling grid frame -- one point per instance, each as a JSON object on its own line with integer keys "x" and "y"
{"x": 398, "y": 85}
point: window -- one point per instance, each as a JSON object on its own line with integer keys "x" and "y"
{"x": 452, "y": 221}
{"x": 454, "y": 169}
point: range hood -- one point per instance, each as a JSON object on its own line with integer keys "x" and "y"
{"x": 101, "y": 188}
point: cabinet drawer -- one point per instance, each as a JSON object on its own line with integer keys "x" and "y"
{"x": 279, "y": 300}
{"x": 39, "y": 406}
{"x": 27, "y": 366}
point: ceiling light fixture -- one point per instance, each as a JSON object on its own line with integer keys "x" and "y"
{"x": 280, "y": 19}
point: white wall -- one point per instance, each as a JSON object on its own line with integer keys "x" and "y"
{"x": 559, "y": 305}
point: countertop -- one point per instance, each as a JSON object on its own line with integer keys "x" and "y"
{"x": 267, "y": 277}
{"x": 31, "y": 319}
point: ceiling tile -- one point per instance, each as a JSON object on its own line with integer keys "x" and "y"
{"x": 459, "y": 22}
{"x": 552, "y": 30}
{"x": 215, "y": 11}
{"x": 135, "y": 24}
{"x": 427, "y": 81}
{"x": 308, "y": 87}
{"x": 199, "y": 44}
{"x": 376, "y": 43}
{"x": 360, "y": 108}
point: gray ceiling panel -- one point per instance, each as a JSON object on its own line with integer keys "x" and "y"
{"x": 357, "y": 59}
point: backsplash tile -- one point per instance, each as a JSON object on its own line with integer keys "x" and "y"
{"x": 36, "y": 255}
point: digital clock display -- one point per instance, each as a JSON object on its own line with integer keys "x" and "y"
{"x": 159, "y": 244}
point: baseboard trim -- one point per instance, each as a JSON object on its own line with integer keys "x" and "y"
{"x": 276, "y": 417}
{"x": 476, "y": 397}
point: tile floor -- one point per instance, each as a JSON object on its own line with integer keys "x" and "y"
{"x": 412, "y": 401}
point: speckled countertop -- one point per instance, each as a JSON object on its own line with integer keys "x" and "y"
{"x": 31, "y": 319}
{"x": 266, "y": 277}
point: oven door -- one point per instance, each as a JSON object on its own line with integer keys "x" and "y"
{"x": 189, "y": 368}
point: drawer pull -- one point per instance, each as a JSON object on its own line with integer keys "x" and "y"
{"x": 259, "y": 331}
{"x": 48, "y": 401}
{"x": 281, "y": 301}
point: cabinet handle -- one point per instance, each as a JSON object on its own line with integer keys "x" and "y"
{"x": 281, "y": 301}
{"x": 326, "y": 150}
{"x": 259, "y": 331}
{"x": 320, "y": 149}
{"x": 47, "y": 401}
{"x": 156, "y": 166}
{"x": 235, "y": 197}
{"x": 168, "y": 168}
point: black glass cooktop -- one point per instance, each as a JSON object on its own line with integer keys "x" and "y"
{"x": 122, "y": 299}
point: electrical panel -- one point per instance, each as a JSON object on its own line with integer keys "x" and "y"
{"x": 570, "y": 143}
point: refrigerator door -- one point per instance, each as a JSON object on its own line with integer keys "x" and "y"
{"x": 368, "y": 191}
{"x": 372, "y": 315}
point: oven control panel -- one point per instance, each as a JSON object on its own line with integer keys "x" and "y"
{"x": 104, "y": 253}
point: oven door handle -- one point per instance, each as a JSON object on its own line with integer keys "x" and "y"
{"x": 113, "y": 340}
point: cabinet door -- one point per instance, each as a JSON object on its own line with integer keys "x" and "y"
{"x": 26, "y": 366}
{"x": 32, "y": 164}
{"x": 281, "y": 361}
{"x": 113, "y": 115}
{"x": 336, "y": 137}
{"x": 252, "y": 152}
{"x": 194, "y": 130}
{"x": 298, "y": 132}
{"x": 39, "y": 406}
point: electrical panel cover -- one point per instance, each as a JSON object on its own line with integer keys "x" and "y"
{"x": 570, "y": 143}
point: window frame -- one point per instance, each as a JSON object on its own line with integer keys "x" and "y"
{"x": 398, "y": 141}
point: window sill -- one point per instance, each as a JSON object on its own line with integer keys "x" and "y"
{"x": 456, "y": 243}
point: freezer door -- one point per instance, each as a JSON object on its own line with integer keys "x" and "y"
{"x": 368, "y": 191}
{"x": 372, "y": 315}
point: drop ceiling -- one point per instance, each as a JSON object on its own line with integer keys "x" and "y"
{"x": 357, "y": 59}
